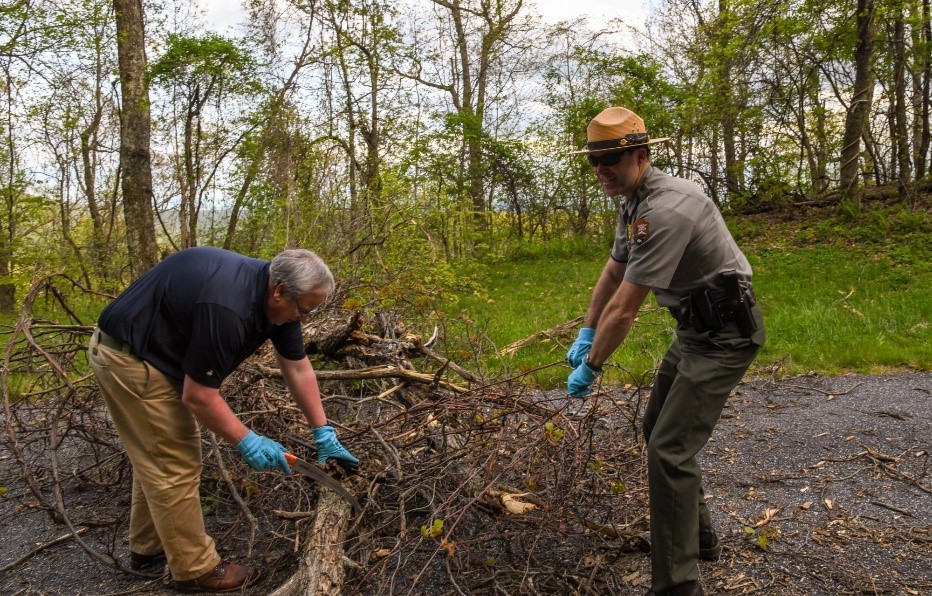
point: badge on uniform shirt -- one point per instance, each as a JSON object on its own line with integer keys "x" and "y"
{"x": 640, "y": 232}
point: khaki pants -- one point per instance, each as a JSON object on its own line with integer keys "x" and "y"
{"x": 163, "y": 443}
{"x": 692, "y": 385}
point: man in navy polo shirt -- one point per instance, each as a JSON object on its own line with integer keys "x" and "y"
{"x": 160, "y": 354}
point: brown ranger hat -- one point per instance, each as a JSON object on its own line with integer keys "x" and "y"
{"x": 614, "y": 129}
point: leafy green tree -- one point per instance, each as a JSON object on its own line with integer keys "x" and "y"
{"x": 200, "y": 74}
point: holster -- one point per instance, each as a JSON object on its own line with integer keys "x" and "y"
{"x": 712, "y": 308}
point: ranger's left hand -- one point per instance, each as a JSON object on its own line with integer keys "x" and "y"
{"x": 581, "y": 380}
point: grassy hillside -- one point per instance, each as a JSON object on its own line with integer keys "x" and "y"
{"x": 840, "y": 293}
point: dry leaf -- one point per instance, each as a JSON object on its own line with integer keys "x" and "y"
{"x": 769, "y": 514}
{"x": 829, "y": 503}
{"x": 514, "y": 506}
{"x": 449, "y": 546}
{"x": 806, "y": 505}
{"x": 380, "y": 554}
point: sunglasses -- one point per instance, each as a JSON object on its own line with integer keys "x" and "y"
{"x": 606, "y": 159}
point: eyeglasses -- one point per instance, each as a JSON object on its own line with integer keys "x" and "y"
{"x": 606, "y": 159}
{"x": 303, "y": 312}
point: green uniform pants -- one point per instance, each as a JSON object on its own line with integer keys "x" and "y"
{"x": 695, "y": 378}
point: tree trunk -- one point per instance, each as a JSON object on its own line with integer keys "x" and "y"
{"x": 859, "y": 109}
{"x": 922, "y": 74}
{"x": 727, "y": 96}
{"x": 901, "y": 136}
{"x": 89, "y": 148}
{"x": 135, "y": 127}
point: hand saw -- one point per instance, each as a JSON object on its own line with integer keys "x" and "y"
{"x": 316, "y": 474}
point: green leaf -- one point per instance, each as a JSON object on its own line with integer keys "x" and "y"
{"x": 434, "y": 531}
{"x": 763, "y": 542}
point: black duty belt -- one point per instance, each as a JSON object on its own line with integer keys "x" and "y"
{"x": 112, "y": 342}
{"x": 710, "y": 309}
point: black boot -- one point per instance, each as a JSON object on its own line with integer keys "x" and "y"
{"x": 709, "y": 547}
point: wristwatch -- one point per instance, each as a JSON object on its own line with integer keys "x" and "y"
{"x": 597, "y": 369}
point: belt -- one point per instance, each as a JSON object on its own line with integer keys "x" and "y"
{"x": 112, "y": 342}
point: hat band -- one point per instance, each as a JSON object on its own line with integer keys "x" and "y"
{"x": 637, "y": 138}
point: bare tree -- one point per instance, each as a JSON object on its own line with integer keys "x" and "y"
{"x": 480, "y": 32}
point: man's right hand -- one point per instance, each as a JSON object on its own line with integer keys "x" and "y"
{"x": 262, "y": 453}
{"x": 580, "y": 348}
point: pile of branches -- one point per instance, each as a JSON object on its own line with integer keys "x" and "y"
{"x": 466, "y": 484}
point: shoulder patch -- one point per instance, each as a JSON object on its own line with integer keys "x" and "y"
{"x": 641, "y": 231}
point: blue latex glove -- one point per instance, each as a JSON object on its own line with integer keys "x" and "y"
{"x": 581, "y": 379}
{"x": 329, "y": 447}
{"x": 262, "y": 453}
{"x": 577, "y": 353}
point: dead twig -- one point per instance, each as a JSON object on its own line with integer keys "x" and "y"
{"x": 41, "y": 548}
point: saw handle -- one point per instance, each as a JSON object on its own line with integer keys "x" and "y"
{"x": 291, "y": 458}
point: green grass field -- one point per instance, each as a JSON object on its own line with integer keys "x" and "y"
{"x": 838, "y": 297}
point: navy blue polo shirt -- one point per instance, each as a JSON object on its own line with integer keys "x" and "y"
{"x": 200, "y": 313}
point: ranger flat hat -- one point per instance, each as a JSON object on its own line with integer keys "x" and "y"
{"x": 614, "y": 129}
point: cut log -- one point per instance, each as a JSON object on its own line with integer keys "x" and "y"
{"x": 321, "y": 570}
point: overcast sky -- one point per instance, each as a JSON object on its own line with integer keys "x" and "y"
{"x": 223, "y": 13}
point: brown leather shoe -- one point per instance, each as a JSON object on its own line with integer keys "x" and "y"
{"x": 225, "y": 577}
{"x": 687, "y": 589}
{"x": 709, "y": 547}
{"x": 138, "y": 562}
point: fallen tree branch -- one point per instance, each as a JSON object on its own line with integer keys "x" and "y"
{"x": 41, "y": 548}
{"x": 554, "y": 332}
{"x": 253, "y": 523}
{"x": 372, "y": 372}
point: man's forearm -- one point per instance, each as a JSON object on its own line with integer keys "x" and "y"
{"x": 609, "y": 279}
{"x": 211, "y": 410}
{"x": 302, "y": 383}
{"x": 616, "y": 321}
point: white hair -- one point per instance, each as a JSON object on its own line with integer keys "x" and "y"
{"x": 301, "y": 272}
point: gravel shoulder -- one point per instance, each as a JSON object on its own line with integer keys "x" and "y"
{"x": 818, "y": 485}
{"x": 839, "y": 467}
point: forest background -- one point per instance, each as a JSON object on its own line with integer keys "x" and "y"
{"x": 422, "y": 148}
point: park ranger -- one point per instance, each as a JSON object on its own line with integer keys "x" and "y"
{"x": 672, "y": 240}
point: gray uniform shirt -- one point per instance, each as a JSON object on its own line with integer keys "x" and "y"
{"x": 673, "y": 239}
